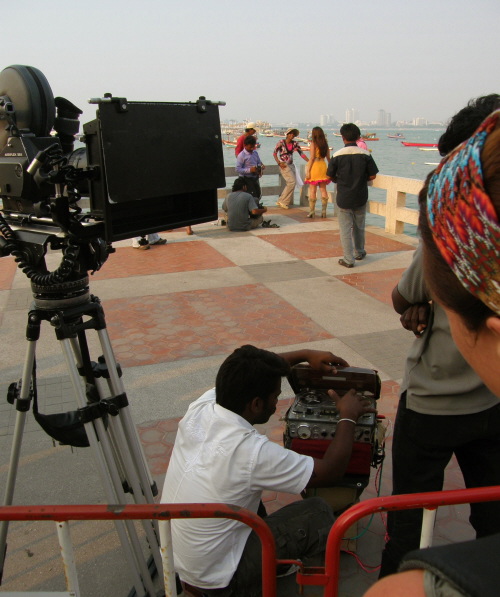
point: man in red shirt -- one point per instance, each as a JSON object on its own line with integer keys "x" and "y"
{"x": 249, "y": 131}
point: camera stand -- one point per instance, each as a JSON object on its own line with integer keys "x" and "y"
{"x": 111, "y": 435}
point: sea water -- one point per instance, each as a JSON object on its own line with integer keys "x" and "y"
{"x": 390, "y": 155}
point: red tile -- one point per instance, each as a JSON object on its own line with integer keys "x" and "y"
{"x": 164, "y": 259}
{"x": 312, "y": 245}
{"x": 7, "y": 271}
{"x": 200, "y": 323}
{"x": 378, "y": 285}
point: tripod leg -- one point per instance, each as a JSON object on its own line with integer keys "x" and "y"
{"x": 130, "y": 449}
{"x": 111, "y": 482}
{"x": 130, "y": 430}
{"x": 22, "y": 407}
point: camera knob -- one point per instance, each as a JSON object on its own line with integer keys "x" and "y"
{"x": 304, "y": 432}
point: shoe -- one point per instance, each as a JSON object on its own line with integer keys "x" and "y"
{"x": 160, "y": 241}
{"x": 143, "y": 247}
{"x": 345, "y": 264}
{"x": 323, "y": 213}
{"x": 360, "y": 257}
{"x": 282, "y": 205}
{"x": 310, "y": 214}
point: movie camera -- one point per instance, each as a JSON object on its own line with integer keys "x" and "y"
{"x": 145, "y": 167}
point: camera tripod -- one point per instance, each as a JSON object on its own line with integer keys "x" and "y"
{"x": 106, "y": 420}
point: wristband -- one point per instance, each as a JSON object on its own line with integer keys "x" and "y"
{"x": 350, "y": 421}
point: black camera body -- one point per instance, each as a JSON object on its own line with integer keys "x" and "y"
{"x": 145, "y": 166}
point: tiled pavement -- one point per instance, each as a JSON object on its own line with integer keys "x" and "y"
{"x": 173, "y": 313}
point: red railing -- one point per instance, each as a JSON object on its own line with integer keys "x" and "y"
{"x": 428, "y": 501}
{"x": 327, "y": 576}
{"x": 158, "y": 512}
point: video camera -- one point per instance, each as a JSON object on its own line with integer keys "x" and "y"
{"x": 145, "y": 167}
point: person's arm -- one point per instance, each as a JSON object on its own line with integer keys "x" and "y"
{"x": 275, "y": 156}
{"x": 414, "y": 317}
{"x": 331, "y": 171}
{"x": 414, "y": 304}
{"x": 372, "y": 169}
{"x": 241, "y": 165}
{"x": 300, "y": 152}
{"x": 312, "y": 153}
{"x": 259, "y": 211}
{"x": 322, "y": 360}
{"x": 253, "y": 207}
{"x": 332, "y": 466}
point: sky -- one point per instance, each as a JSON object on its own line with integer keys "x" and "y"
{"x": 282, "y": 62}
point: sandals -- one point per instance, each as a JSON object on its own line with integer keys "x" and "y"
{"x": 267, "y": 224}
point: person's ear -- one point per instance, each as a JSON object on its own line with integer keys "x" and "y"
{"x": 256, "y": 405}
{"x": 493, "y": 324}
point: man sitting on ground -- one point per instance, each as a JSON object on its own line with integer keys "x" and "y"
{"x": 219, "y": 456}
{"x": 243, "y": 211}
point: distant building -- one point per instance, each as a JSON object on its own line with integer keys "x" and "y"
{"x": 383, "y": 118}
{"x": 327, "y": 119}
{"x": 420, "y": 121}
{"x": 351, "y": 115}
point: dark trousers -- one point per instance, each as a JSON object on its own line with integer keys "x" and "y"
{"x": 422, "y": 447}
{"x": 253, "y": 186}
{"x": 300, "y": 531}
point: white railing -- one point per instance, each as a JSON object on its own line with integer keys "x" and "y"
{"x": 393, "y": 209}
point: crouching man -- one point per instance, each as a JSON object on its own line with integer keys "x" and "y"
{"x": 243, "y": 211}
{"x": 219, "y": 456}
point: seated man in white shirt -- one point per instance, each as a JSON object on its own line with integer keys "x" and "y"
{"x": 219, "y": 456}
{"x": 243, "y": 211}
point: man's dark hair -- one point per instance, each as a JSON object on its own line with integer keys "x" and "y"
{"x": 466, "y": 121}
{"x": 250, "y": 140}
{"x": 238, "y": 184}
{"x": 247, "y": 373}
{"x": 350, "y": 132}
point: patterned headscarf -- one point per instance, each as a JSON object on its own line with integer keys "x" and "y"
{"x": 462, "y": 218}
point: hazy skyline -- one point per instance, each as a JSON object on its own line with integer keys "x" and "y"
{"x": 273, "y": 61}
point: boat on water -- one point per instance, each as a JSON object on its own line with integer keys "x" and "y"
{"x": 396, "y": 136}
{"x": 370, "y": 137}
{"x": 406, "y": 144}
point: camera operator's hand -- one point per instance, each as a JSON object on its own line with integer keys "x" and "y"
{"x": 322, "y": 360}
{"x": 415, "y": 318}
{"x": 351, "y": 405}
{"x": 332, "y": 466}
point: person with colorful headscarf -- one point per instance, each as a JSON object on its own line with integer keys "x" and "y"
{"x": 445, "y": 409}
{"x": 460, "y": 227}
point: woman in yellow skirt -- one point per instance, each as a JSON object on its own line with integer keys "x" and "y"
{"x": 316, "y": 171}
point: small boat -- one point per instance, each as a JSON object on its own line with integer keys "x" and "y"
{"x": 396, "y": 136}
{"x": 370, "y": 137}
{"x": 406, "y": 144}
